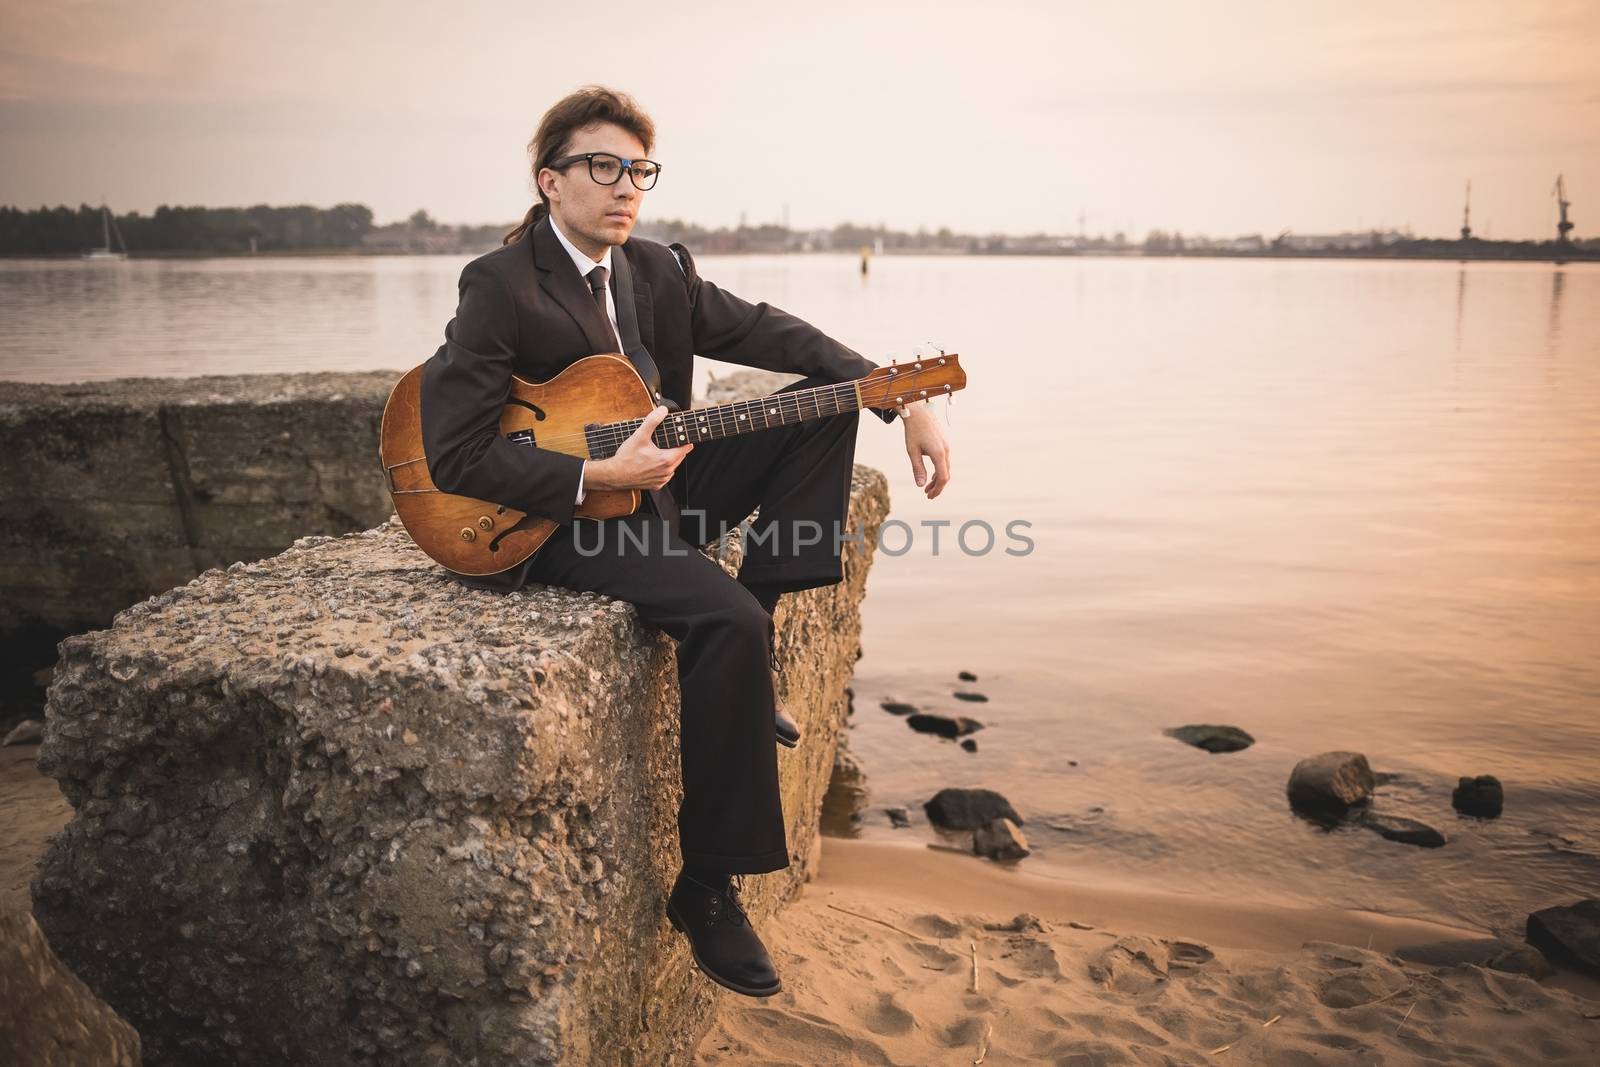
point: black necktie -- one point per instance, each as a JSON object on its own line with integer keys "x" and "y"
{"x": 597, "y": 286}
{"x": 665, "y": 505}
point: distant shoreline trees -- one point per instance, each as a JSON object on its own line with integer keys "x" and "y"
{"x": 62, "y": 231}
{"x": 348, "y": 228}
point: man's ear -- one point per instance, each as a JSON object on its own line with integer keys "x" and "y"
{"x": 539, "y": 180}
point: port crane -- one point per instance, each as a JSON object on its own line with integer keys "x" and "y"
{"x": 1564, "y": 227}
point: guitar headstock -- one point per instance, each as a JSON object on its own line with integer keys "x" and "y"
{"x": 922, "y": 379}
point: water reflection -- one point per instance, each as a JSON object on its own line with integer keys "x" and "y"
{"x": 1558, "y": 281}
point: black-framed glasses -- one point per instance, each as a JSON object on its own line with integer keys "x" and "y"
{"x": 606, "y": 168}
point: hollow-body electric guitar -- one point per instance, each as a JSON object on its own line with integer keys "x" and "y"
{"x": 588, "y": 410}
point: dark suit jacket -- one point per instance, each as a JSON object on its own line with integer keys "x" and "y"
{"x": 524, "y": 309}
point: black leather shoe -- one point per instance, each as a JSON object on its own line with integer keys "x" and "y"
{"x": 724, "y": 944}
{"x": 788, "y": 732}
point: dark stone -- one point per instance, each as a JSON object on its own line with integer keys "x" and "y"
{"x": 943, "y": 725}
{"x": 899, "y": 818}
{"x": 967, "y": 676}
{"x": 1000, "y": 840}
{"x": 971, "y": 698}
{"x": 894, "y": 707}
{"x": 1569, "y": 934}
{"x": 970, "y": 745}
{"x": 1212, "y": 738}
{"x": 1407, "y": 831}
{"x": 968, "y": 809}
{"x": 1330, "y": 783}
{"x": 1481, "y": 796}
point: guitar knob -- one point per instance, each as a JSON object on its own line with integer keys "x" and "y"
{"x": 468, "y": 534}
{"x": 485, "y": 523}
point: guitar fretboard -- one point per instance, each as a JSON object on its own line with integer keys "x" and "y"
{"x": 729, "y": 420}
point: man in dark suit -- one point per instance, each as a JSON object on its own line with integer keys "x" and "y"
{"x": 569, "y": 283}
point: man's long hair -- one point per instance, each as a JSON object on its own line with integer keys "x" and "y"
{"x": 579, "y": 108}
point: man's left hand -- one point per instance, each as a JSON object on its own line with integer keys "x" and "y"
{"x": 925, "y": 437}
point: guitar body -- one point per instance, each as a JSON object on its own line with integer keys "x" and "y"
{"x": 598, "y": 400}
{"x": 477, "y": 537}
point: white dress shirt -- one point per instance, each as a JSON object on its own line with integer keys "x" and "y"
{"x": 585, "y": 265}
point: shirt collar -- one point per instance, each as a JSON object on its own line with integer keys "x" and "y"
{"x": 579, "y": 260}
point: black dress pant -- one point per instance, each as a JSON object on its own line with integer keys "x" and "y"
{"x": 731, "y": 817}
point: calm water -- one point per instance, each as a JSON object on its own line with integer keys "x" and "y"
{"x": 1340, "y": 505}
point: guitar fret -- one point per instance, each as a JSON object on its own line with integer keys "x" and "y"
{"x": 730, "y": 419}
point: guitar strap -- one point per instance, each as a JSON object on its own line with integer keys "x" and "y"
{"x": 628, "y": 326}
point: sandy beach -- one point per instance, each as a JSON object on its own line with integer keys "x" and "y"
{"x": 902, "y": 954}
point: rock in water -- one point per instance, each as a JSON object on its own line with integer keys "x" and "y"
{"x": 944, "y": 725}
{"x": 48, "y": 1018}
{"x": 1212, "y": 738}
{"x": 971, "y": 698}
{"x": 1000, "y": 840}
{"x": 895, "y": 707}
{"x": 967, "y": 676}
{"x": 969, "y": 744}
{"x": 968, "y": 809}
{"x": 1407, "y": 831}
{"x": 1331, "y": 784}
{"x": 1481, "y": 796}
{"x": 1569, "y": 934}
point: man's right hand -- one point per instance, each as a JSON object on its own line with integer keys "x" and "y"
{"x": 638, "y": 463}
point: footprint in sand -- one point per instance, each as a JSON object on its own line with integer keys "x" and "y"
{"x": 934, "y": 926}
{"x": 1032, "y": 957}
{"x": 886, "y": 1018}
{"x": 1183, "y": 955}
{"x": 1133, "y": 964}
{"x": 962, "y": 1034}
{"x": 933, "y": 955}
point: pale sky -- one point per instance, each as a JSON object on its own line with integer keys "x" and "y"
{"x": 1220, "y": 117}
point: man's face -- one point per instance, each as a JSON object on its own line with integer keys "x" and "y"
{"x": 594, "y": 216}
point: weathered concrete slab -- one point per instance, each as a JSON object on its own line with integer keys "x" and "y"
{"x": 117, "y": 490}
{"x": 333, "y": 807}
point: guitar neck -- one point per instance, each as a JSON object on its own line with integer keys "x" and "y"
{"x": 730, "y": 420}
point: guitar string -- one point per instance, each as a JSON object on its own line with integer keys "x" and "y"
{"x": 729, "y": 420}
{"x": 789, "y": 405}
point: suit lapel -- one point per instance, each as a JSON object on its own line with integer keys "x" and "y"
{"x": 559, "y": 278}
